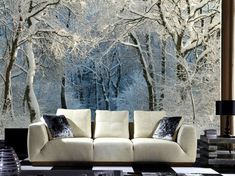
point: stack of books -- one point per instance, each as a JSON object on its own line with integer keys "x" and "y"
{"x": 210, "y": 133}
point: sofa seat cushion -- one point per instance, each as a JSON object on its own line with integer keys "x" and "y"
{"x": 113, "y": 149}
{"x": 67, "y": 149}
{"x": 158, "y": 150}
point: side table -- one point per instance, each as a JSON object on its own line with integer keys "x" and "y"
{"x": 2, "y": 142}
{"x": 216, "y": 151}
{"x": 17, "y": 138}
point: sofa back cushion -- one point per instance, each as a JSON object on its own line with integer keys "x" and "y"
{"x": 145, "y": 123}
{"x": 79, "y": 121}
{"x": 111, "y": 124}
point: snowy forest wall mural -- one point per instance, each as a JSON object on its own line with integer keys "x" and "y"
{"x": 110, "y": 54}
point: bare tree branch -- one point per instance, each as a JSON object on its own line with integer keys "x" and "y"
{"x": 1, "y": 75}
{"x": 20, "y": 67}
{"x": 129, "y": 44}
{"x": 37, "y": 11}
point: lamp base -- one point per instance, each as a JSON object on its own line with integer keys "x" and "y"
{"x": 227, "y": 131}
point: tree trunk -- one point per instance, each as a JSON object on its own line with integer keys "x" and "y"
{"x": 151, "y": 70}
{"x": 146, "y": 74}
{"x": 163, "y": 75}
{"x": 181, "y": 73}
{"x": 193, "y": 103}
{"x": 7, "y": 94}
{"x": 96, "y": 90}
{"x": 105, "y": 94}
{"x": 29, "y": 95}
{"x": 62, "y": 93}
{"x": 62, "y": 90}
{"x": 117, "y": 85}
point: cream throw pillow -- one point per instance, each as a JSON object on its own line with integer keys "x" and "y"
{"x": 79, "y": 121}
{"x": 145, "y": 122}
{"x": 111, "y": 124}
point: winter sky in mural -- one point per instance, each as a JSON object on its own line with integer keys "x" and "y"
{"x": 109, "y": 54}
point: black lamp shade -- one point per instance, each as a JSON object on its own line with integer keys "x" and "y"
{"x": 225, "y": 107}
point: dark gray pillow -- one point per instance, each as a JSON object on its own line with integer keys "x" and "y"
{"x": 167, "y": 128}
{"x": 58, "y": 126}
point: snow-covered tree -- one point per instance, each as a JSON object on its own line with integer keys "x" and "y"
{"x": 189, "y": 25}
{"x": 25, "y": 23}
{"x": 102, "y": 54}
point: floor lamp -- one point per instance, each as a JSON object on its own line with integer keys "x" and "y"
{"x": 227, "y": 108}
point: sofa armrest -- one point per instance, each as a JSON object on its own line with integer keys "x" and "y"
{"x": 37, "y": 138}
{"x": 187, "y": 139}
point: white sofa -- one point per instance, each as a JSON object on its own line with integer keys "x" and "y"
{"x": 111, "y": 141}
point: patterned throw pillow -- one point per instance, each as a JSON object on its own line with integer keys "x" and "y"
{"x": 167, "y": 128}
{"x": 58, "y": 126}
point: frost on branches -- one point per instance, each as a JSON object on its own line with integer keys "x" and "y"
{"x": 115, "y": 55}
